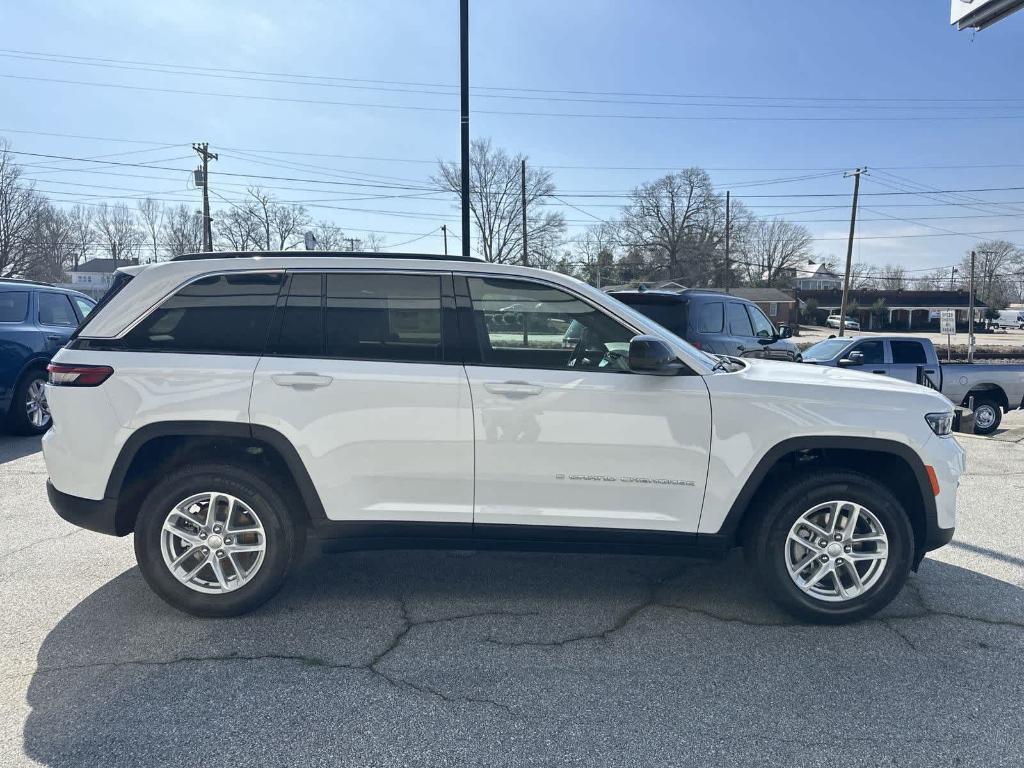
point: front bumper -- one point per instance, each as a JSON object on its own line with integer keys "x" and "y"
{"x": 948, "y": 459}
{"x": 99, "y": 516}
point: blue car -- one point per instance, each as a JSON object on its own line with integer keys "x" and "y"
{"x": 36, "y": 319}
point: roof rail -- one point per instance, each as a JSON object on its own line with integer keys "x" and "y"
{"x": 26, "y": 281}
{"x": 318, "y": 255}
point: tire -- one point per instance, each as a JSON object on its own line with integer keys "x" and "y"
{"x": 256, "y": 505}
{"x": 24, "y": 419}
{"x": 768, "y": 546}
{"x": 991, "y": 416}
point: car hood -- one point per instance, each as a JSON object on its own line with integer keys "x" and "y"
{"x": 801, "y": 374}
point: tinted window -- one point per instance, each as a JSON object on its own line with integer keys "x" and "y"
{"x": 711, "y": 317}
{"x": 221, "y": 314}
{"x": 671, "y": 316}
{"x": 763, "y": 327}
{"x": 301, "y": 333}
{"x": 825, "y": 350}
{"x": 911, "y": 352}
{"x": 522, "y": 324}
{"x": 873, "y": 352}
{"x": 739, "y": 321}
{"x": 13, "y": 306}
{"x": 384, "y": 317}
{"x": 56, "y": 309}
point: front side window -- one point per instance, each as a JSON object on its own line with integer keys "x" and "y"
{"x": 739, "y": 321}
{"x": 220, "y": 314}
{"x": 13, "y": 306}
{"x": 523, "y": 324}
{"x": 908, "y": 352}
{"x": 763, "y": 327}
{"x": 384, "y": 317}
{"x": 55, "y": 309}
{"x": 874, "y": 353}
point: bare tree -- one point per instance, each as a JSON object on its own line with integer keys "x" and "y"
{"x": 328, "y": 237}
{"x": 998, "y": 270}
{"x": 277, "y": 225}
{"x": 862, "y": 275}
{"x": 496, "y": 204}
{"x": 51, "y": 246}
{"x": 595, "y": 252}
{"x": 83, "y": 236}
{"x": 240, "y": 228}
{"x": 677, "y": 223}
{"x": 118, "y": 232}
{"x": 893, "y": 277}
{"x": 182, "y": 231}
{"x": 19, "y": 206}
{"x": 936, "y": 280}
{"x": 775, "y": 247}
{"x": 372, "y": 242}
{"x": 288, "y": 223}
{"x": 151, "y": 214}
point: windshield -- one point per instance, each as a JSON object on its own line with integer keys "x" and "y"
{"x": 826, "y": 350}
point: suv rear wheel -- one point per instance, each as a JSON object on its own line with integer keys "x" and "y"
{"x": 215, "y": 540}
{"x": 832, "y": 548}
{"x": 30, "y": 413}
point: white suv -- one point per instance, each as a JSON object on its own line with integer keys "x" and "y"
{"x": 222, "y": 406}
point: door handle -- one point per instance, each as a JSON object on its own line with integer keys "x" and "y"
{"x": 301, "y": 380}
{"x": 513, "y": 388}
{"x": 53, "y": 337}
{"x": 881, "y": 372}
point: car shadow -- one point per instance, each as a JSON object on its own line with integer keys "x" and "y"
{"x": 377, "y": 657}
{"x": 16, "y": 447}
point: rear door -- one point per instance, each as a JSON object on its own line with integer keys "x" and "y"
{"x": 908, "y": 355}
{"x": 57, "y": 319}
{"x": 741, "y": 339}
{"x": 362, "y": 377}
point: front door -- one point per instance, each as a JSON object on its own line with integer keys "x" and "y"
{"x": 568, "y": 436}
{"x": 357, "y": 377}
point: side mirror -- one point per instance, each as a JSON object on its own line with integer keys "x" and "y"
{"x": 651, "y": 355}
{"x": 854, "y": 358}
{"x": 785, "y": 332}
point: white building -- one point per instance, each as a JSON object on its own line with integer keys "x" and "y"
{"x": 813, "y": 276}
{"x": 94, "y": 277}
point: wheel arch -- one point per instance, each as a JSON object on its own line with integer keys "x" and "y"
{"x": 895, "y": 464}
{"x": 988, "y": 391}
{"x": 156, "y": 448}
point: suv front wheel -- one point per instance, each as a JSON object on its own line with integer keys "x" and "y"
{"x": 834, "y": 547}
{"x": 215, "y": 540}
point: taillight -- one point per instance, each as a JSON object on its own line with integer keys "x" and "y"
{"x": 695, "y": 344}
{"x": 78, "y": 375}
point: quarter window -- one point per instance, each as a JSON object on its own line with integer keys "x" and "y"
{"x": 55, "y": 309}
{"x": 384, "y": 317}
{"x": 220, "y": 314}
{"x": 13, "y": 306}
{"x": 523, "y": 324}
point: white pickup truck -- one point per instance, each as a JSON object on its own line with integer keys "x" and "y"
{"x": 994, "y": 388}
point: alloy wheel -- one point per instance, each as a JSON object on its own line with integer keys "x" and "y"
{"x": 213, "y": 542}
{"x": 36, "y": 407}
{"x": 836, "y": 551}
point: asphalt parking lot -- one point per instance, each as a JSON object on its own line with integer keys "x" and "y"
{"x": 440, "y": 658}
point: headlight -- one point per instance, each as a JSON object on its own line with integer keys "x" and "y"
{"x": 941, "y": 423}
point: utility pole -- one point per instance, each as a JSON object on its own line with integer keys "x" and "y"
{"x": 464, "y": 119}
{"x": 849, "y": 246}
{"x": 970, "y": 319}
{"x": 951, "y": 276}
{"x": 206, "y": 155}
{"x": 444, "y": 229}
{"x": 522, "y": 193}
{"x": 728, "y": 206}
{"x": 351, "y": 243}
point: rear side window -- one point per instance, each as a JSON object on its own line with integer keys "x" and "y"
{"x": 384, "y": 317}
{"x": 910, "y": 352}
{"x": 739, "y": 321}
{"x": 13, "y": 306}
{"x": 221, "y": 314}
{"x": 84, "y": 306}
{"x": 711, "y": 317}
{"x": 56, "y": 309}
{"x": 668, "y": 315}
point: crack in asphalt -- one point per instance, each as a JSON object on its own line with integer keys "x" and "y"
{"x": 37, "y": 542}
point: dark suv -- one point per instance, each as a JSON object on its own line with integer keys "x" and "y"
{"x": 36, "y": 319}
{"x": 714, "y": 322}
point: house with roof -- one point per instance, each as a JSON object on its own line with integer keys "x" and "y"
{"x": 812, "y": 276}
{"x": 95, "y": 276}
{"x": 897, "y": 310}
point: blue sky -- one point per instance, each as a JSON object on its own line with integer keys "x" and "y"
{"x": 842, "y": 61}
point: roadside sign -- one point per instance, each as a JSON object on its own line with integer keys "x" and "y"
{"x": 947, "y": 322}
